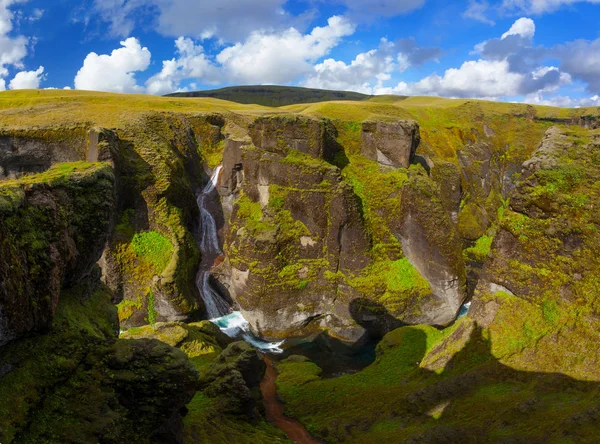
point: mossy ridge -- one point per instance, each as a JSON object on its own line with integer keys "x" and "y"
{"x": 548, "y": 326}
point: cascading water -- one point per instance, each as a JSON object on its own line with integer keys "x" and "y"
{"x": 231, "y": 323}
{"x": 209, "y": 247}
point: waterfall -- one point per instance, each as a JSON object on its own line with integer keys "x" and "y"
{"x": 218, "y": 310}
{"x": 210, "y": 249}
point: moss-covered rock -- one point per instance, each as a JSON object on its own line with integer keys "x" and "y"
{"x": 77, "y": 383}
{"x": 280, "y": 134}
{"x": 431, "y": 243}
{"x": 53, "y": 228}
{"x": 284, "y": 256}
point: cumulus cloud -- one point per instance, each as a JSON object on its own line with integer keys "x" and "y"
{"x": 369, "y": 70}
{"x": 28, "y": 79}
{"x": 581, "y": 59}
{"x": 539, "y": 6}
{"x": 358, "y": 74}
{"x": 524, "y": 27}
{"x": 191, "y": 63}
{"x": 507, "y": 68}
{"x": 281, "y": 57}
{"x": 114, "y": 72}
{"x": 12, "y": 49}
{"x": 265, "y": 57}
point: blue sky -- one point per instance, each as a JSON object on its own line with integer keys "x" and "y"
{"x": 536, "y": 51}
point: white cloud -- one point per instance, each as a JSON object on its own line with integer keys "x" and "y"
{"x": 28, "y": 79}
{"x": 263, "y": 58}
{"x": 281, "y": 57}
{"x": 524, "y": 27}
{"x": 114, "y": 72}
{"x": 12, "y": 49}
{"x": 2, "y": 85}
{"x": 192, "y": 63}
{"x": 581, "y": 59}
{"x": 540, "y": 6}
{"x": 505, "y": 70}
{"x": 478, "y": 11}
{"x": 356, "y": 76}
{"x": 562, "y": 101}
{"x": 369, "y": 70}
{"x": 482, "y": 78}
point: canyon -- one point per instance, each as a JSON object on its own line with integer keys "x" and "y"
{"x": 451, "y": 242}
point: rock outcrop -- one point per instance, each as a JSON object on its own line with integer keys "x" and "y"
{"x": 35, "y": 151}
{"x": 538, "y": 287}
{"x": 233, "y": 379}
{"x": 295, "y": 225}
{"x": 431, "y": 243}
{"x": 280, "y": 134}
{"x": 390, "y": 143}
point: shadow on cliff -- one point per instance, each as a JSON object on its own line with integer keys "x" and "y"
{"x": 476, "y": 398}
{"x": 374, "y": 318}
{"x": 336, "y": 357}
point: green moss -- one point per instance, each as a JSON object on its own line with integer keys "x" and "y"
{"x": 480, "y": 251}
{"x": 153, "y": 247}
{"x": 151, "y": 309}
{"x": 58, "y": 173}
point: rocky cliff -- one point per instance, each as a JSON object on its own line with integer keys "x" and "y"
{"x": 301, "y": 254}
{"x": 526, "y": 350}
{"x": 64, "y": 376}
{"x": 53, "y": 230}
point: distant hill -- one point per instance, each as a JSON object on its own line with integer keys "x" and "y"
{"x": 274, "y": 95}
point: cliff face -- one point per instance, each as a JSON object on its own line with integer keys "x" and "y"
{"x": 53, "y": 230}
{"x": 522, "y": 365}
{"x": 301, "y": 255}
{"x": 64, "y": 376}
{"x": 540, "y": 283}
{"x": 295, "y": 227}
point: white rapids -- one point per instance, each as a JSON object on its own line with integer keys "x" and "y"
{"x": 235, "y": 325}
{"x": 464, "y": 309}
{"x": 219, "y": 312}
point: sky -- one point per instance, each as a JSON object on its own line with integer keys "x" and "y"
{"x": 533, "y": 51}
